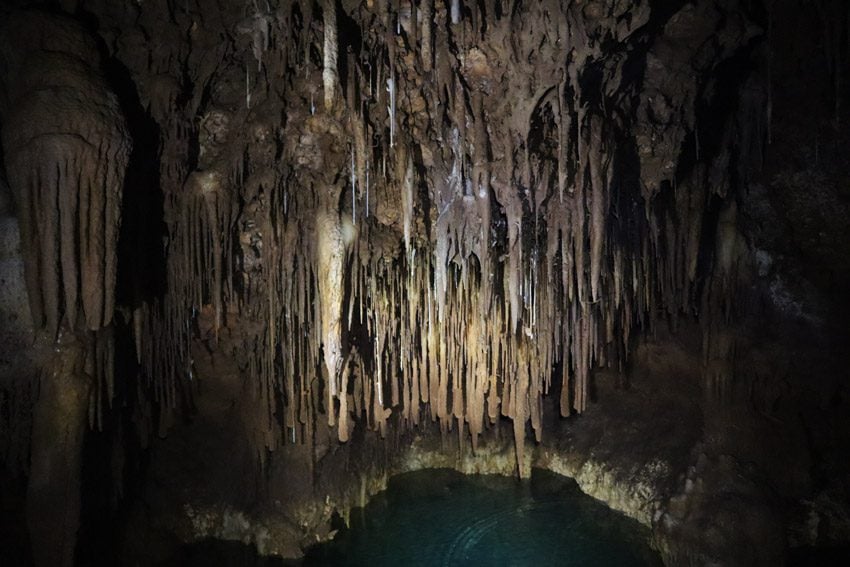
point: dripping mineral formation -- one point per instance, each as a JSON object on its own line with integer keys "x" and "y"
{"x": 262, "y": 254}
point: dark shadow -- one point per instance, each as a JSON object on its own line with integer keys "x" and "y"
{"x": 141, "y": 254}
{"x": 223, "y": 554}
{"x": 811, "y": 556}
{"x": 113, "y": 458}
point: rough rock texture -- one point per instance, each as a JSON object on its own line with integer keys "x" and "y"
{"x": 356, "y": 237}
{"x": 441, "y": 206}
{"x": 65, "y": 150}
{"x": 658, "y": 451}
{"x": 17, "y": 368}
{"x": 16, "y": 336}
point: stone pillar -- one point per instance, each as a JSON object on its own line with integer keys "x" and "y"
{"x": 59, "y": 425}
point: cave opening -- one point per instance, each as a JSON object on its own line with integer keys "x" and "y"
{"x": 261, "y": 260}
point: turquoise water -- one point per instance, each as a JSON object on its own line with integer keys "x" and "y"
{"x": 443, "y": 518}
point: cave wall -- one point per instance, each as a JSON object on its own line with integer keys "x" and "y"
{"x": 416, "y": 212}
{"x": 65, "y": 153}
{"x": 316, "y": 225}
{"x": 16, "y": 366}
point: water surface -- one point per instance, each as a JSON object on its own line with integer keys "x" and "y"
{"x": 440, "y": 517}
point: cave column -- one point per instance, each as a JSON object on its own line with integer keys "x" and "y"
{"x": 66, "y": 148}
{"x": 59, "y": 425}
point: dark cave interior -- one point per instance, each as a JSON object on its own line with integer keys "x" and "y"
{"x": 259, "y": 256}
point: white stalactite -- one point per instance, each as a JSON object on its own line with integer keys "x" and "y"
{"x": 330, "y": 261}
{"x": 407, "y": 204}
{"x": 330, "y": 77}
{"x": 391, "y": 109}
{"x": 425, "y": 18}
{"x": 455, "y": 11}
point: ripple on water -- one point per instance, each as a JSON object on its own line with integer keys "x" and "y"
{"x": 441, "y": 517}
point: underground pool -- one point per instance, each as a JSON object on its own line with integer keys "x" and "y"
{"x": 439, "y": 517}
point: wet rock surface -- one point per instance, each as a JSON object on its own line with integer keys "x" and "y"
{"x": 716, "y": 486}
{"x": 275, "y": 252}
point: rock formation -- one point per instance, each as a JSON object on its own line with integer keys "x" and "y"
{"x": 364, "y": 220}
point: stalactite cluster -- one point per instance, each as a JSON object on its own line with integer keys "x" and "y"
{"x": 398, "y": 211}
{"x": 66, "y": 151}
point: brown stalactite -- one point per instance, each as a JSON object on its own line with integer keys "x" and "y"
{"x": 482, "y": 249}
{"x": 81, "y": 146}
{"x": 330, "y": 76}
{"x": 66, "y": 150}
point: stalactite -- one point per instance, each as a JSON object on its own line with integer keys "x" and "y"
{"x": 331, "y": 256}
{"x": 330, "y": 77}
{"x": 55, "y": 234}
{"x": 406, "y": 162}
{"x": 598, "y": 206}
{"x": 391, "y": 92}
{"x": 425, "y": 53}
{"x": 65, "y": 155}
{"x": 494, "y": 243}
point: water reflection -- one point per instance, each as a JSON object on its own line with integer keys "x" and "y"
{"x": 443, "y": 518}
